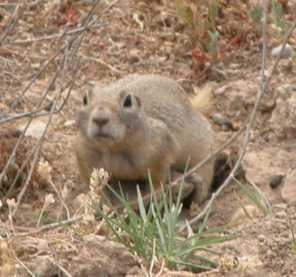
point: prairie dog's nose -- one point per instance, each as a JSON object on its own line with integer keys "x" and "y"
{"x": 101, "y": 117}
{"x": 100, "y": 121}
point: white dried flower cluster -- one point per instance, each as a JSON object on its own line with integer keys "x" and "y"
{"x": 11, "y": 203}
{"x": 98, "y": 180}
{"x": 44, "y": 170}
{"x": 49, "y": 199}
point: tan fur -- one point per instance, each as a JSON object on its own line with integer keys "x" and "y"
{"x": 160, "y": 131}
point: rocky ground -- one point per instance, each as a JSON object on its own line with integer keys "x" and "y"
{"x": 145, "y": 37}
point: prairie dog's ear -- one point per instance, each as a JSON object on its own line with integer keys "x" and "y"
{"x": 89, "y": 94}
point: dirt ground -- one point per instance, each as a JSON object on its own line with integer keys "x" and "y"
{"x": 148, "y": 37}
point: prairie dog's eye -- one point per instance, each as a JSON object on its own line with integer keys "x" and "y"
{"x": 85, "y": 100}
{"x": 127, "y": 102}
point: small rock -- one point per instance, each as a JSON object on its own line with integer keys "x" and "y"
{"x": 222, "y": 121}
{"x": 42, "y": 266}
{"x": 70, "y": 123}
{"x": 281, "y": 215}
{"x": 287, "y": 52}
{"x": 35, "y": 129}
{"x": 220, "y": 91}
{"x": 261, "y": 238}
{"x": 289, "y": 189}
{"x": 134, "y": 59}
{"x": 134, "y": 55}
{"x": 270, "y": 254}
{"x": 219, "y": 119}
{"x": 17, "y": 102}
{"x": 280, "y": 206}
{"x": 244, "y": 215}
{"x": 3, "y": 115}
{"x": 275, "y": 181}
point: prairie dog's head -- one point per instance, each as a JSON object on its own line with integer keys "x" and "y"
{"x": 109, "y": 119}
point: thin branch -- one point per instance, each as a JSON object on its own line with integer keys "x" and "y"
{"x": 38, "y": 74}
{"x": 15, "y": 17}
{"x": 211, "y": 156}
{"x": 65, "y": 271}
{"x": 36, "y": 113}
{"x": 28, "y": 179}
{"x": 48, "y": 227}
{"x": 59, "y": 195}
{"x": 59, "y": 35}
{"x": 101, "y": 62}
{"x": 21, "y": 115}
{"x": 24, "y": 266}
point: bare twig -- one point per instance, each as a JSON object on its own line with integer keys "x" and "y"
{"x": 99, "y": 61}
{"x": 27, "y": 182}
{"x": 36, "y": 113}
{"x": 15, "y": 17}
{"x": 51, "y": 226}
{"x": 21, "y": 115}
{"x": 59, "y": 35}
{"x": 58, "y": 193}
{"x": 38, "y": 74}
{"x": 210, "y": 156}
{"x": 24, "y": 266}
{"x": 65, "y": 271}
{"x": 33, "y": 3}
{"x": 264, "y": 85}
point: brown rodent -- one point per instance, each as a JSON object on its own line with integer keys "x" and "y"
{"x": 141, "y": 124}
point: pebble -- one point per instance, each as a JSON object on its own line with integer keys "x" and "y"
{"x": 280, "y": 206}
{"x": 222, "y": 121}
{"x": 240, "y": 217}
{"x": 3, "y": 115}
{"x": 134, "y": 59}
{"x": 220, "y": 91}
{"x": 70, "y": 123}
{"x": 261, "y": 238}
{"x": 35, "y": 129}
{"x": 289, "y": 188}
{"x": 276, "y": 180}
{"x": 287, "y": 52}
{"x": 281, "y": 215}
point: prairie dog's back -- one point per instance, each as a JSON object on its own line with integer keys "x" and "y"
{"x": 161, "y": 97}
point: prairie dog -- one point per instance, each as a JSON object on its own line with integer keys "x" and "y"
{"x": 141, "y": 124}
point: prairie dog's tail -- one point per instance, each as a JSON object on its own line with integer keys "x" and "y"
{"x": 203, "y": 99}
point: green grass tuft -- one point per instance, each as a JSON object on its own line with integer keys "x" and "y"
{"x": 152, "y": 233}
